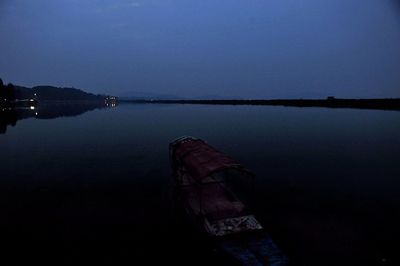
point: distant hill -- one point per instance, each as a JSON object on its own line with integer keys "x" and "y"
{"x": 216, "y": 97}
{"x": 140, "y": 95}
{"x": 50, "y": 93}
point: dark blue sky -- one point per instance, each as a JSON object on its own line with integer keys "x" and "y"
{"x": 246, "y": 48}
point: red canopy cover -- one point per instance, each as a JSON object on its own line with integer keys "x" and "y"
{"x": 201, "y": 160}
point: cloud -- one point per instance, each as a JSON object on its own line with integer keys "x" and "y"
{"x": 101, "y": 7}
{"x": 125, "y": 4}
{"x": 134, "y": 4}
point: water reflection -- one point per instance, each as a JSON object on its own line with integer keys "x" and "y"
{"x": 10, "y": 116}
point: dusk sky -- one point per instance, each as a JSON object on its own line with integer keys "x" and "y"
{"x": 235, "y": 48}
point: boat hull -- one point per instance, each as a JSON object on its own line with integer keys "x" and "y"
{"x": 253, "y": 249}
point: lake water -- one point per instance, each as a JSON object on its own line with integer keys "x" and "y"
{"x": 97, "y": 187}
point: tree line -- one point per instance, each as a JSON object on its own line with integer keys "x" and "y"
{"x": 7, "y": 92}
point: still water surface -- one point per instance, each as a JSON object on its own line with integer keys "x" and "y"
{"x": 97, "y": 187}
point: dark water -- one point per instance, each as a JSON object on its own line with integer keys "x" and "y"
{"x": 96, "y": 188}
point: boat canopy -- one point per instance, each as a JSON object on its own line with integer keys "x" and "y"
{"x": 202, "y": 160}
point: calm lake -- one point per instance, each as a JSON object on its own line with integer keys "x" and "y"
{"x": 96, "y": 188}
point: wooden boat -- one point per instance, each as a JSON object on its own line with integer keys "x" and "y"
{"x": 201, "y": 173}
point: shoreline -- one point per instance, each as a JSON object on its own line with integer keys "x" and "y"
{"x": 377, "y": 104}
